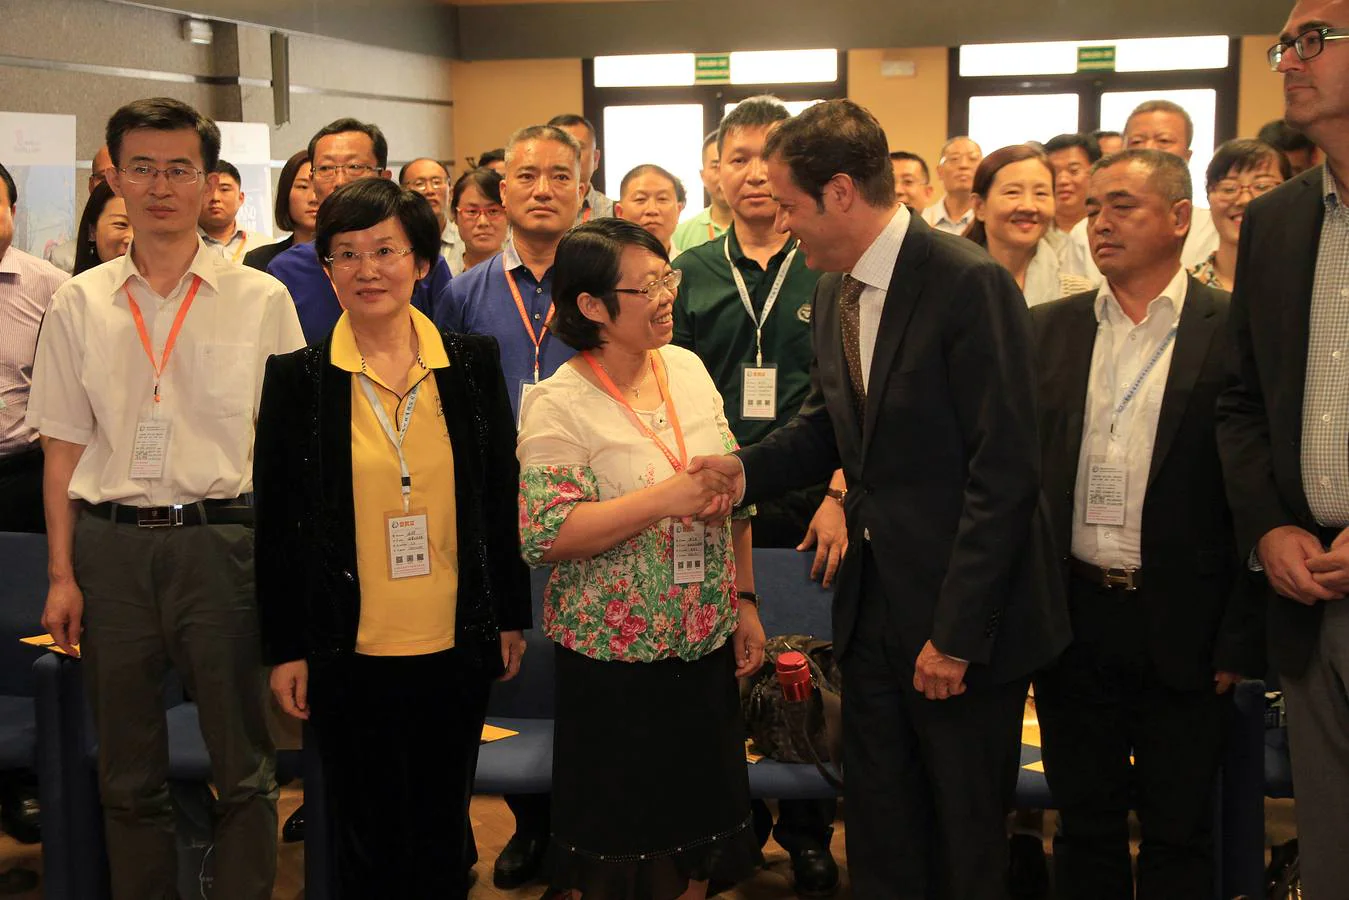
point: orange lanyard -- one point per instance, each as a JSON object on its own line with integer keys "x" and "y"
{"x": 173, "y": 332}
{"x": 242, "y": 243}
{"x": 676, "y": 462}
{"x": 535, "y": 336}
{"x": 711, "y": 232}
{"x": 586, "y": 214}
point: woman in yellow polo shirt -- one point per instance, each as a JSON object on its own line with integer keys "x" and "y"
{"x": 389, "y": 580}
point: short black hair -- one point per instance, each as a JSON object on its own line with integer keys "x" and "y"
{"x": 403, "y": 171}
{"x": 163, "y": 114}
{"x": 486, "y": 180}
{"x": 491, "y": 156}
{"x": 227, "y": 168}
{"x": 1284, "y": 137}
{"x": 342, "y": 126}
{"x": 1084, "y": 142}
{"x": 283, "y": 187}
{"x": 1164, "y": 106}
{"x": 756, "y": 112}
{"x": 836, "y": 137}
{"x": 1105, "y": 133}
{"x": 1243, "y": 154}
{"x": 364, "y": 203}
{"x": 571, "y": 120}
{"x": 86, "y": 244}
{"x": 651, "y": 168}
{"x": 552, "y": 133}
{"x": 588, "y": 261}
{"x": 709, "y": 138}
{"x": 905, "y": 154}
{"x": 1168, "y": 173}
{"x": 10, "y": 186}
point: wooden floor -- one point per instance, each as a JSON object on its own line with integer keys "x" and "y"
{"x": 493, "y": 825}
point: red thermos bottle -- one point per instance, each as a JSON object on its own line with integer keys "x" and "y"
{"x": 794, "y": 676}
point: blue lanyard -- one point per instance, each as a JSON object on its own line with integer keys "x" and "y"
{"x": 1142, "y": 377}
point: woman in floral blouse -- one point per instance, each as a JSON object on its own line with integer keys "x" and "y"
{"x": 654, "y": 618}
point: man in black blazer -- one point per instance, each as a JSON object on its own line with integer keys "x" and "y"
{"x": 1128, "y": 377}
{"x": 1285, "y": 438}
{"x": 947, "y": 599}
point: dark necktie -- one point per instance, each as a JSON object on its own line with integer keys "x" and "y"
{"x": 849, "y": 314}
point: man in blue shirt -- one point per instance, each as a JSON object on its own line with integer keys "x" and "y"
{"x": 510, "y": 296}
{"x": 341, "y": 152}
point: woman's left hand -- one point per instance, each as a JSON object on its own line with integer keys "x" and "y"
{"x": 512, "y": 651}
{"x": 748, "y": 640}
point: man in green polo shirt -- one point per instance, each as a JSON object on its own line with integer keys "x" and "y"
{"x": 710, "y": 223}
{"x": 744, "y": 307}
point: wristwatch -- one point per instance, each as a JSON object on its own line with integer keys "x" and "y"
{"x": 836, "y": 493}
{"x": 749, "y": 596}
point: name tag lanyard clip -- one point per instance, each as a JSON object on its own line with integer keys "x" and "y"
{"x": 395, "y": 437}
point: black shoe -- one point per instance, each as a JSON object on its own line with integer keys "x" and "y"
{"x": 520, "y": 861}
{"x": 815, "y": 871}
{"x": 293, "y": 831}
{"x": 21, "y": 818}
{"x": 1027, "y": 869}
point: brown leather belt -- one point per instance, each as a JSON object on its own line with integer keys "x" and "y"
{"x": 1109, "y": 579}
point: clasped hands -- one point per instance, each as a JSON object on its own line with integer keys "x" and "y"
{"x": 1299, "y": 568}
{"x": 707, "y": 490}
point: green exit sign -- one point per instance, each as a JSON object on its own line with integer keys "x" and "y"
{"x": 1096, "y": 59}
{"x": 712, "y": 68}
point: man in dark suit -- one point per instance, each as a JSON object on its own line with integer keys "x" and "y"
{"x": 1128, "y": 378}
{"x": 947, "y": 599}
{"x": 1284, "y": 427}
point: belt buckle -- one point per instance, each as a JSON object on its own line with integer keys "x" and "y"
{"x": 159, "y": 516}
{"x": 1120, "y": 578}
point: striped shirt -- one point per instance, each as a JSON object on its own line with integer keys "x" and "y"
{"x": 1325, "y": 403}
{"x": 26, "y": 287}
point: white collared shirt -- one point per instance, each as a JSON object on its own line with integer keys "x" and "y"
{"x": 1045, "y": 278}
{"x": 232, "y": 250}
{"x": 1121, "y": 351}
{"x": 92, "y": 380}
{"x": 452, "y": 248}
{"x": 936, "y": 216}
{"x": 874, "y": 269}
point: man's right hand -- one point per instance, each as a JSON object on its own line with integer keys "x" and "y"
{"x": 63, "y": 615}
{"x": 730, "y": 468}
{"x": 290, "y": 686}
{"x": 1284, "y": 552}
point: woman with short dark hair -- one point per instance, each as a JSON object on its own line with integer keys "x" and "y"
{"x": 654, "y": 619}
{"x": 389, "y": 580}
{"x": 1240, "y": 171}
{"x": 296, "y": 209}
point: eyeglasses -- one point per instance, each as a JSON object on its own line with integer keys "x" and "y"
{"x": 422, "y": 184}
{"x": 669, "y": 284}
{"x": 490, "y": 213}
{"x": 143, "y": 174}
{"x": 350, "y": 260}
{"x": 1231, "y": 190}
{"x": 1308, "y": 44}
{"x": 353, "y": 170}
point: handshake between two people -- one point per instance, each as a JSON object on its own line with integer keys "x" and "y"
{"x": 706, "y": 490}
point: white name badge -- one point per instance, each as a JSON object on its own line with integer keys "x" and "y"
{"x": 408, "y": 544}
{"x": 151, "y": 450}
{"x": 759, "y": 392}
{"x": 526, "y": 387}
{"x": 1106, "y": 484}
{"x": 689, "y": 543}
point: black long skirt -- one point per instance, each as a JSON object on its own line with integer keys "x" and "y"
{"x": 650, "y": 789}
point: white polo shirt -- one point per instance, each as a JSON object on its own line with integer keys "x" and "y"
{"x": 92, "y": 379}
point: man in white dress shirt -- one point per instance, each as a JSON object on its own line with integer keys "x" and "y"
{"x": 954, "y": 212}
{"x": 1153, "y": 125}
{"x": 145, "y": 390}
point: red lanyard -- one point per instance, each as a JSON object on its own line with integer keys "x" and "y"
{"x": 586, "y": 213}
{"x": 535, "y": 336}
{"x": 676, "y": 462}
{"x": 173, "y": 332}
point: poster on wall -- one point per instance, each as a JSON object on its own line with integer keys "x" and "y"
{"x": 39, "y": 152}
{"x": 248, "y": 146}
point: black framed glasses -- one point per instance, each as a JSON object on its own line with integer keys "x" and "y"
{"x": 1307, "y": 45}
{"x": 669, "y": 284}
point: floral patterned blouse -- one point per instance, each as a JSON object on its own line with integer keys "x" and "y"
{"x": 578, "y": 445}
{"x": 1206, "y": 273}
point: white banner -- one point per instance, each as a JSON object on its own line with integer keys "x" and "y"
{"x": 248, "y": 146}
{"x": 39, "y": 152}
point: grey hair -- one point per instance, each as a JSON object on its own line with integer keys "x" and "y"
{"x": 543, "y": 133}
{"x": 1163, "y": 106}
{"x": 1167, "y": 173}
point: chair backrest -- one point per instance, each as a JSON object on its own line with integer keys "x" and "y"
{"x": 23, "y": 594}
{"x": 792, "y": 603}
{"x": 529, "y": 695}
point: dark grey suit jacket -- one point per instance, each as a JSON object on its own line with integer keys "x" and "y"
{"x": 1260, "y": 412}
{"x": 944, "y": 473}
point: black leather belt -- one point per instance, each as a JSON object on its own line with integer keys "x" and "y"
{"x": 203, "y": 512}
{"x": 1109, "y": 579}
